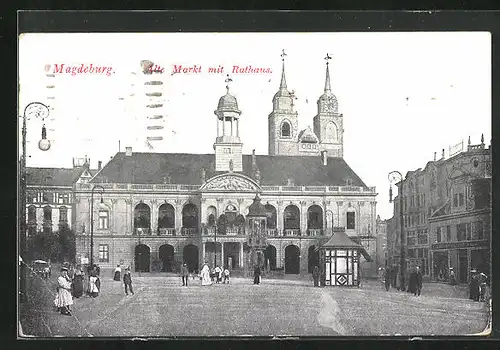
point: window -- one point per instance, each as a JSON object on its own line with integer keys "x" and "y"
{"x": 418, "y": 200}
{"x": 103, "y": 253}
{"x": 285, "y": 130}
{"x": 455, "y": 200}
{"x": 448, "y": 233}
{"x": 438, "y": 235}
{"x": 461, "y": 232}
{"x": 351, "y": 220}
{"x": 45, "y": 197}
{"x": 461, "y": 200}
{"x": 103, "y": 219}
{"x": 468, "y": 231}
{"x": 47, "y": 213}
{"x": 63, "y": 214}
{"x": 479, "y": 230}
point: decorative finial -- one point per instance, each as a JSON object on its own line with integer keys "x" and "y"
{"x": 327, "y": 79}
{"x": 482, "y": 138}
{"x": 442, "y": 154}
{"x": 44, "y": 132}
{"x": 283, "y": 80}
{"x": 469, "y": 139}
{"x": 228, "y": 80}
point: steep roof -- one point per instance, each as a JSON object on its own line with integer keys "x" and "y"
{"x": 54, "y": 176}
{"x": 181, "y": 168}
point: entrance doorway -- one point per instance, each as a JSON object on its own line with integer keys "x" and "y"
{"x": 270, "y": 257}
{"x": 142, "y": 258}
{"x": 166, "y": 254}
{"x": 231, "y": 254}
{"x": 312, "y": 258}
{"x": 190, "y": 256}
{"x": 292, "y": 259}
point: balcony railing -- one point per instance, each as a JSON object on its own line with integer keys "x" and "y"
{"x": 289, "y": 232}
{"x": 272, "y": 232}
{"x": 163, "y": 231}
{"x": 189, "y": 231}
{"x": 314, "y": 232}
{"x": 191, "y": 188}
{"x": 234, "y": 231}
{"x": 142, "y": 231}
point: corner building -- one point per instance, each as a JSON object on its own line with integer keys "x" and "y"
{"x": 159, "y": 210}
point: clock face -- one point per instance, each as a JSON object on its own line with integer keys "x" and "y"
{"x": 331, "y": 105}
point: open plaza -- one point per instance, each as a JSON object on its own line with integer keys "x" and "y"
{"x": 162, "y": 307}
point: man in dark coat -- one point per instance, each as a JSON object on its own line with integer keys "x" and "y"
{"x": 387, "y": 278}
{"x": 316, "y": 275}
{"x": 418, "y": 281}
{"x": 127, "y": 281}
{"x": 473, "y": 286}
{"x": 184, "y": 274}
{"x": 256, "y": 275}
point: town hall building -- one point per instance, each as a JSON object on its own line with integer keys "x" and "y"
{"x": 155, "y": 211}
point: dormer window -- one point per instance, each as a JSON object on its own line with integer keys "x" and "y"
{"x": 348, "y": 182}
{"x": 285, "y": 129}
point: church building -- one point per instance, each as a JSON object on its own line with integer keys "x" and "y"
{"x": 155, "y": 211}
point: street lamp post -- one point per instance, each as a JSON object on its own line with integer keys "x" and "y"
{"x": 37, "y": 110}
{"x": 92, "y": 221}
{"x": 394, "y": 177}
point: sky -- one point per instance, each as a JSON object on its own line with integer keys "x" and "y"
{"x": 403, "y": 96}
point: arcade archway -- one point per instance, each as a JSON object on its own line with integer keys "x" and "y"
{"x": 292, "y": 259}
{"x": 142, "y": 258}
{"x": 166, "y": 255}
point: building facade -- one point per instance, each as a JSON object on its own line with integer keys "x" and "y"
{"x": 381, "y": 250}
{"x": 437, "y": 203}
{"x": 49, "y": 195}
{"x": 160, "y": 210}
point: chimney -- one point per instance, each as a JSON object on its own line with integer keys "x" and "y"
{"x": 324, "y": 157}
{"x": 435, "y": 154}
{"x": 254, "y": 160}
{"x": 128, "y": 151}
{"x": 99, "y": 165}
{"x": 442, "y": 154}
{"x": 203, "y": 175}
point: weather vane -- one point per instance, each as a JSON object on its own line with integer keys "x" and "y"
{"x": 283, "y": 54}
{"x": 327, "y": 58}
{"x": 228, "y": 80}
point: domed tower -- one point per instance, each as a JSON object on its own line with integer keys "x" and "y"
{"x": 328, "y": 123}
{"x": 228, "y": 147}
{"x": 283, "y": 120}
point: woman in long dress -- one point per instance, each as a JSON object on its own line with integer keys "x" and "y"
{"x": 63, "y": 298}
{"x": 94, "y": 284}
{"x": 78, "y": 283}
{"x": 205, "y": 275}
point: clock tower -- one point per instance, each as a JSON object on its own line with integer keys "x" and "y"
{"x": 328, "y": 123}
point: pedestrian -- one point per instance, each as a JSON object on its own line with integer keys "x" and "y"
{"x": 205, "y": 275}
{"x": 127, "y": 281}
{"x": 416, "y": 282}
{"x": 226, "y": 275}
{"x": 63, "y": 299}
{"x": 473, "y": 286}
{"x": 453, "y": 280}
{"x": 256, "y": 275}
{"x": 184, "y": 274}
{"x": 78, "y": 277}
{"x": 482, "y": 281}
{"x": 94, "y": 284}
{"x": 387, "y": 279}
{"x": 218, "y": 274}
{"x": 315, "y": 275}
{"x": 118, "y": 273}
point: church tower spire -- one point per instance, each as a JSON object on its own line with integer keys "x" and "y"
{"x": 328, "y": 123}
{"x": 283, "y": 120}
{"x": 228, "y": 147}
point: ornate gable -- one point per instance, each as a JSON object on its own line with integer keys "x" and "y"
{"x": 231, "y": 183}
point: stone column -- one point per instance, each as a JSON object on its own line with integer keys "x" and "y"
{"x": 203, "y": 252}
{"x": 303, "y": 217}
{"x": 178, "y": 216}
{"x": 129, "y": 227}
{"x": 154, "y": 217}
{"x": 279, "y": 217}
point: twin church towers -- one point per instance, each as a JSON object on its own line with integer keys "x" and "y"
{"x": 285, "y": 138}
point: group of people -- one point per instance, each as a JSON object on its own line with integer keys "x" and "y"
{"x": 477, "y": 285}
{"x": 413, "y": 282}
{"x": 71, "y": 284}
{"x": 208, "y": 276}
